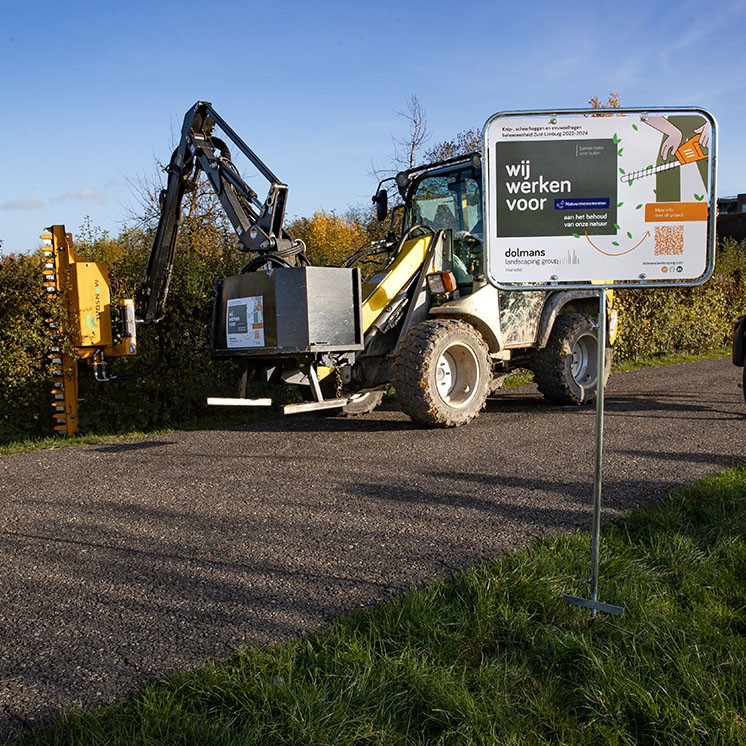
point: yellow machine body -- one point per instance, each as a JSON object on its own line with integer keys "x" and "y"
{"x": 382, "y": 291}
{"x": 382, "y": 288}
{"x": 83, "y": 287}
{"x": 91, "y": 284}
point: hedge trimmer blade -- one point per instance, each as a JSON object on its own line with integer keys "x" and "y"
{"x": 688, "y": 152}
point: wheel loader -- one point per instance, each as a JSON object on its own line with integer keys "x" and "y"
{"x": 425, "y": 320}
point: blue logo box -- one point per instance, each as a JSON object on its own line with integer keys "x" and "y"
{"x": 582, "y": 204}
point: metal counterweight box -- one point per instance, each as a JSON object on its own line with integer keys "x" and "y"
{"x": 288, "y": 311}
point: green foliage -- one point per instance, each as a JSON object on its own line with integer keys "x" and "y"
{"x": 658, "y": 322}
{"x": 494, "y": 656}
{"x": 651, "y": 322}
{"x": 176, "y": 393}
{"x": 24, "y": 346}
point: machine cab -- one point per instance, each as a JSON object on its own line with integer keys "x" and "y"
{"x": 450, "y": 198}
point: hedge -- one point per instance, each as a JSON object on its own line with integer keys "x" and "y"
{"x": 652, "y": 322}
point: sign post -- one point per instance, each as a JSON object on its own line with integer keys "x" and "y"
{"x": 621, "y": 198}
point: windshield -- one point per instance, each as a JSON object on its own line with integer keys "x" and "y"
{"x": 453, "y": 201}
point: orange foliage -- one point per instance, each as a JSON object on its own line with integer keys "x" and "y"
{"x": 329, "y": 238}
{"x": 612, "y": 103}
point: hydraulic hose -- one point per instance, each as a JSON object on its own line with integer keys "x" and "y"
{"x": 99, "y": 364}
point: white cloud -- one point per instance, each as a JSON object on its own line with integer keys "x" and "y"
{"x": 22, "y": 204}
{"x": 85, "y": 194}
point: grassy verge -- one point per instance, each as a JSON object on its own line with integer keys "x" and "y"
{"x": 494, "y": 656}
{"x": 523, "y": 377}
{"x": 212, "y": 422}
{"x": 674, "y": 358}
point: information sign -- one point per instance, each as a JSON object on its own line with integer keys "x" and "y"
{"x": 611, "y": 198}
{"x": 244, "y": 322}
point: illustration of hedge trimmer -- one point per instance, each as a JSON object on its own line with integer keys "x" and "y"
{"x": 688, "y": 152}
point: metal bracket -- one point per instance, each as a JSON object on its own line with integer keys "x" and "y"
{"x": 315, "y": 386}
{"x": 594, "y": 606}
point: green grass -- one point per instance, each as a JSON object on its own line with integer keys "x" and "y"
{"x": 674, "y": 358}
{"x": 494, "y": 656}
{"x": 9, "y": 445}
{"x": 522, "y": 377}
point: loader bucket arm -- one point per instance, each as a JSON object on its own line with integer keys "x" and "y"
{"x": 258, "y": 224}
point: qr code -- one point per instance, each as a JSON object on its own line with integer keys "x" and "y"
{"x": 669, "y": 240}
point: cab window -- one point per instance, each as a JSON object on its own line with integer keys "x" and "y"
{"x": 453, "y": 202}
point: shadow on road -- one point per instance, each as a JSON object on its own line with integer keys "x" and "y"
{"x": 139, "y": 445}
{"x": 716, "y": 459}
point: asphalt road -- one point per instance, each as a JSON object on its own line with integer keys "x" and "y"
{"x": 123, "y": 562}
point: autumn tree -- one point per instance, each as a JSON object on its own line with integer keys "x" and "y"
{"x": 611, "y": 103}
{"x": 330, "y": 238}
{"x": 468, "y": 141}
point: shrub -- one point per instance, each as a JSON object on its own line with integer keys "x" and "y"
{"x": 657, "y": 322}
{"x": 24, "y": 347}
{"x": 652, "y": 322}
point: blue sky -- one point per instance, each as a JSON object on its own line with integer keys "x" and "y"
{"x": 95, "y": 94}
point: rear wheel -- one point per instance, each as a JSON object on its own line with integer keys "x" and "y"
{"x": 442, "y": 373}
{"x": 566, "y": 369}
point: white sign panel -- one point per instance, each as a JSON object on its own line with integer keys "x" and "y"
{"x": 244, "y": 322}
{"x": 608, "y": 199}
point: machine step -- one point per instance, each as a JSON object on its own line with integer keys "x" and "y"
{"x": 314, "y": 406}
{"x": 218, "y": 401}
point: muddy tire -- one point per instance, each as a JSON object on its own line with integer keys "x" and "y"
{"x": 566, "y": 369}
{"x": 442, "y": 373}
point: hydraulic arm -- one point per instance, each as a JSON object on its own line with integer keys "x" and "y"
{"x": 258, "y": 224}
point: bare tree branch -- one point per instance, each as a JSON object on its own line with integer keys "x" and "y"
{"x": 407, "y": 148}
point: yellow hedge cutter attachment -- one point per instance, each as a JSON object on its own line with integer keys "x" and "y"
{"x": 83, "y": 287}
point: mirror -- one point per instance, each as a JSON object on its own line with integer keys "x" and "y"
{"x": 381, "y": 200}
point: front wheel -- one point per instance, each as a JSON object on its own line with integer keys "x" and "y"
{"x": 566, "y": 369}
{"x": 442, "y": 373}
{"x": 362, "y": 403}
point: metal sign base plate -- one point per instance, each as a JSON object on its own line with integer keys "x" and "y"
{"x": 594, "y": 605}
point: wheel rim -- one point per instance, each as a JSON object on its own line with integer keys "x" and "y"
{"x": 584, "y": 360}
{"x": 457, "y": 375}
